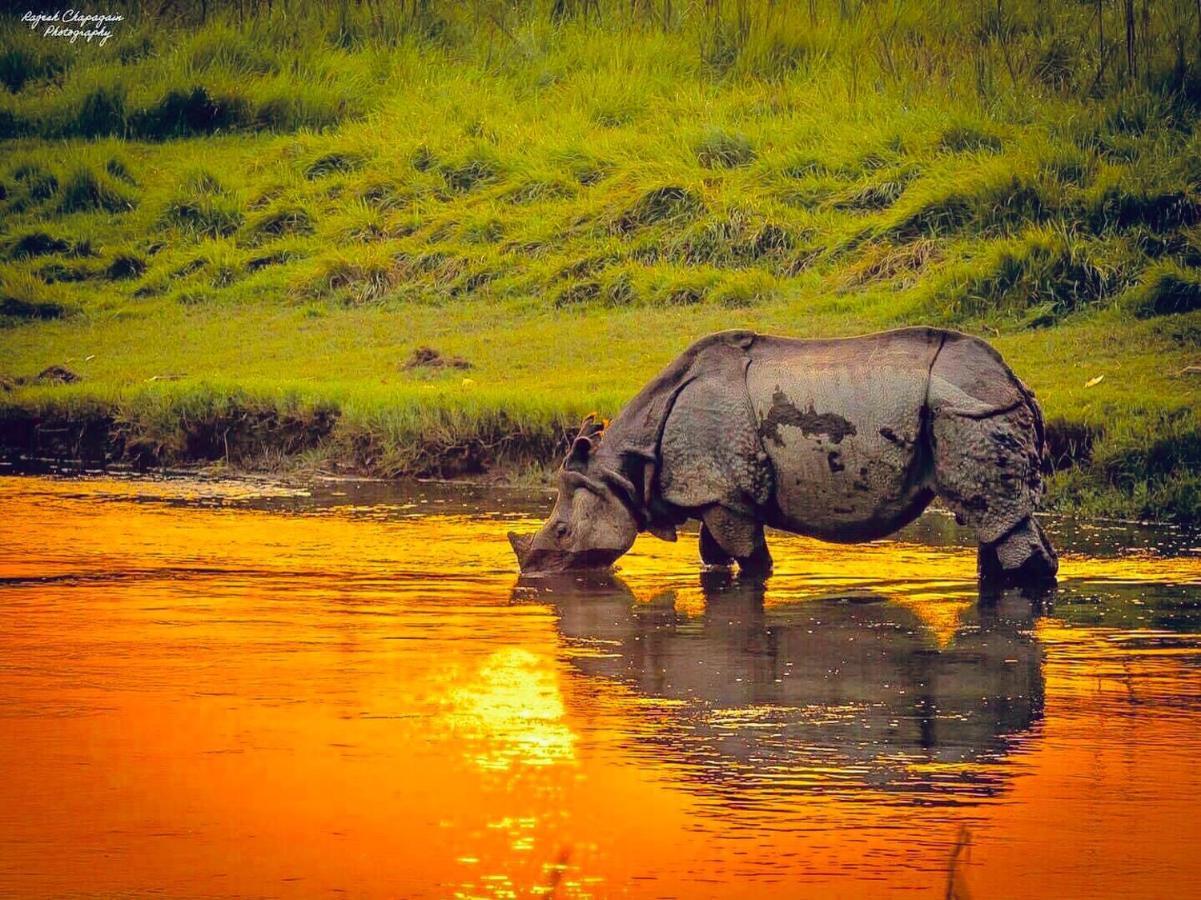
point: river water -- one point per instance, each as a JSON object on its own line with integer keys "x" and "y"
{"x": 215, "y": 689}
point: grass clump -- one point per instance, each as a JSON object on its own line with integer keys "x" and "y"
{"x": 876, "y": 193}
{"x": 125, "y": 266}
{"x": 266, "y": 260}
{"x": 102, "y": 112}
{"x": 1036, "y": 279}
{"x": 578, "y": 293}
{"x": 724, "y": 150}
{"x": 989, "y": 200}
{"x": 537, "y": 190}
{"x": 1165, "y": 289}
{"x": 189, "y": 112}
{"x": 25, "y": 299}
{"x": 58, "y": 273}
{"x": 1151, "y": 474}
{"x": 1123, "y": 207}
{"x": 968, "y": 139}
{"x": 618, "y": 287}
{"x": 584, "y": 168}
{"x": 203, "y": 208}
{"x": 224, "y": 48}
{"x": 23, "y": 61}
{"x": 14, "y": 308}
{"x": 281, "y": 220}
{"x": 119, "y": 169}
{"x": 744, "y": 290}
{"x": 737, "y": 239}
{"x": 203, "y": 217}
{"x": 85, "y": 190}
{"x": 334, "y": 163}
{"x": 671, "y": 286}
{"x": 36, "y": 243}
{"x": 670, "y": 204}
{"x": 356, "y": 281}
{"x": 901, "y": 264}
{"x": 478, "y": 168}
{"x": 284, "y": 111}
{"x": 32, "y": 186}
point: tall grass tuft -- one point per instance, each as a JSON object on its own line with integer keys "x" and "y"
{"x": 86, "y": 190}
{"x": 1166, "y": 289}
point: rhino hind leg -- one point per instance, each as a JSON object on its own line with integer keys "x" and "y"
{"x": 712, "y": 553}
{"x": 735, "y": 536}
{"x": 987, "y": 470}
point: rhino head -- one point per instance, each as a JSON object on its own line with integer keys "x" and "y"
{"x": 591, "y": 524}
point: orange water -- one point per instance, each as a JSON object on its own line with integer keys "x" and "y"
{"x": 212, "y": 689}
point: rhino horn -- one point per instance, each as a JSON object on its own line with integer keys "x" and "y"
{"x": 521, "y": 545}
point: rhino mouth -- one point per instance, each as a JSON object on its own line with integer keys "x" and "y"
{"x": 544, "y": 561}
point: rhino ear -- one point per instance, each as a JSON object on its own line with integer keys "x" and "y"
{"x": 584, "y": 443}
{"x": 577, "y": 456}
{"x": 591, "y": 427}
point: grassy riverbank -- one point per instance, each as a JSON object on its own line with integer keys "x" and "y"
{"x": 238, "y": 233}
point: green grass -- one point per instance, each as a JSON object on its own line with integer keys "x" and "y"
{"x": 238, "y": 232}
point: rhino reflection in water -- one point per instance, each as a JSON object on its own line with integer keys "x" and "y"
{"x": 844, "y": 440}
{"x": 816, "y": 694}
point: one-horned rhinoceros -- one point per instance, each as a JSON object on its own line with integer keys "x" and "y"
{"x": 844, "y": 440}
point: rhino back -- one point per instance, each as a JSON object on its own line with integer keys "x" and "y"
{"x": 841, "y": 421}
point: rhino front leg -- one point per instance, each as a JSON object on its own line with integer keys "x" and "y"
{"x": 728, "y": 535}
{"x": 988, "y": 471}
{"x": 1023, "y": 555}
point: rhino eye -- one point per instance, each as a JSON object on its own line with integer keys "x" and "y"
{"x": 561, "y": 529}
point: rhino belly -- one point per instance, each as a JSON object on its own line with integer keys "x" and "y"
{"x": 845, "y": 442}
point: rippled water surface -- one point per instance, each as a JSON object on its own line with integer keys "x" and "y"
{"x": 230, "y": 689}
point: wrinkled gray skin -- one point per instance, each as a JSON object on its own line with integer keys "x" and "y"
{"x": 845, "y": 440}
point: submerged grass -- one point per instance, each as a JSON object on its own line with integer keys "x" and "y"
{"x": 237, "y": 231}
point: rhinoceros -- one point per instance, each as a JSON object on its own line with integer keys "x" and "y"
{"x": 843, "y": 440}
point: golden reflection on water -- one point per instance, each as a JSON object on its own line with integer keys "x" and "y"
{"x": 215, "y": 689}
{"x": 514, "y": 710}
